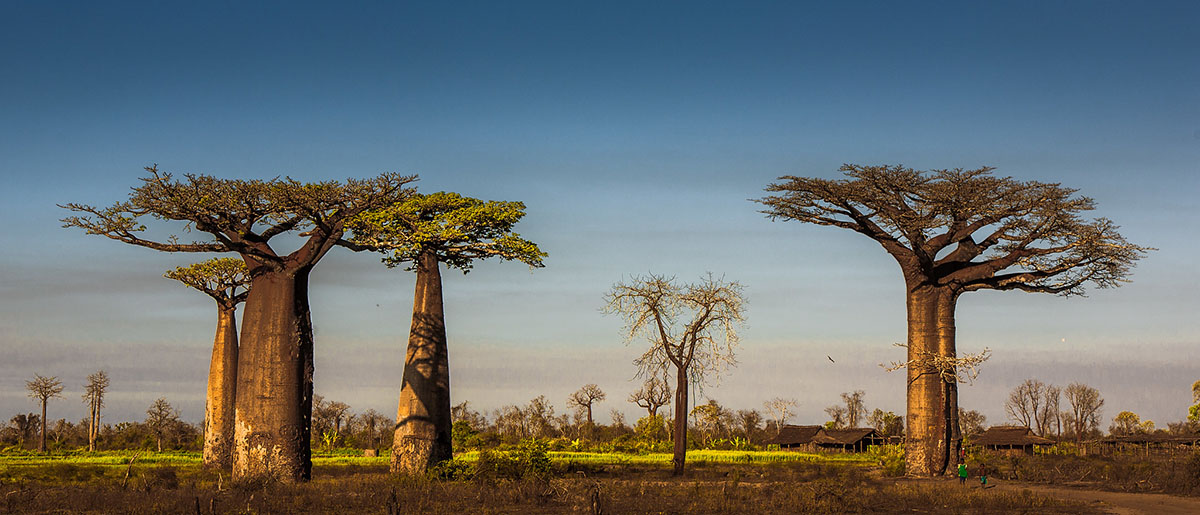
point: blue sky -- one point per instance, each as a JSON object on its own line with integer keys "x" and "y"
{"x": 635, "y": 134}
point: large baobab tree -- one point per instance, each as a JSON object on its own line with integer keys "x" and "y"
{"x": 275, "y": 367}
{"x": 952, "y": 232}
{"x": 654, "y": 393}
{"x": 226, "y": 280}
{"x": 422, "y": 232}
{"x": 690, "y": 327}
{"x": 584, "y": 398}
{"x": 93, "y": 395}
{"x": 42, "y": 389}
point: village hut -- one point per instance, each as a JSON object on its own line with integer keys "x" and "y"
{"x": 856, "y": 439}
{"x": 1010, "y": 440}
{"x": 796, "y": 438}
{"x": 1152, "y": 441}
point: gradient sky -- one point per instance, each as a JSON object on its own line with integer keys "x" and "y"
{"x": 635, "y": 133}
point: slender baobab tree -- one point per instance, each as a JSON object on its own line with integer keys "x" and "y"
{"x": 654, "y": 393}
{"x": 690, "y": 327}
{"x": 42, "y": 389}
{"x": 952, "y": 232}
{"x": 422, "y": 232}
{"x": 584, "y": 398}
{"x": 275, "y": 367}
{"x": 93, "y": 395}
{"x": 227, "y": 281}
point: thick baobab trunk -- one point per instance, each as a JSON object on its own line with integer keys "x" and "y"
{"x": 933, "y": 439}
{"x": 42, "y": 436}
{"x": 423, "y": 428}
{"x": 274, "y": 381}
{"x": 681, "y": 418}
{"x": 222, "y": 385}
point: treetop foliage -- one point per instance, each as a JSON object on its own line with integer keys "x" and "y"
{"x": 219, "y": 278}
{"x": 241, "y": 215}
{"x": 458, "y": 229}
{"x": 962, "y": 228}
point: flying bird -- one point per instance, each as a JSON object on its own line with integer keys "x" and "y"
{"x": 830, "y": 359}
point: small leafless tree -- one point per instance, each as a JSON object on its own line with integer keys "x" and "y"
{"x": 780, "y": 410}
{"x": 654, "y": 393}
{"x": 584, "y": 398}
{"x": 972, "y": 422}
{"x": 1084, "y": 416}
{"x": 690, "y": 327}
{"x": 1034, "y": 404}
{"x": 160, "y": 417}
{"x": 618, "y": 418}
{"x": 42, "y": 389}
{"x": 749, "y": 421}
{"x": 837, "y": 416}
{"x": 93, "y": 396}
{"x": 856, "y": 408}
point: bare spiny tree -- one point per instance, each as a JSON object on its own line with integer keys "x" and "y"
{"x": 952, "y": 232}
{"x": 1084, "y": 416}
{"x": 584, "y": 398}
{"x": 93, "y": 396}
{"x": 780, "y": 410}
{"x": 42, "y": 389}
{"x": 690, "y": 327}
{"x": 227, "y": 282}
{"x": 654, "y": 393}
{"x": 275, "y": 366}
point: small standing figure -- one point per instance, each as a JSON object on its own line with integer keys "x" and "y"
{"x": 983, "y": 477}
{"x": 962, "y": 473}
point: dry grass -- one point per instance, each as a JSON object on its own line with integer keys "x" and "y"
{"x": 620, "y": 488}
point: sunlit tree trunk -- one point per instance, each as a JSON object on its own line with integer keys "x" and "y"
{"x": 42, "y": 433}
{"x": 423, "y": 426}
{"x": 222, "y": 385}
{"x": 681, "y": 419}
{"x": 274, "y": 380}
{"x": 933, "y": 438}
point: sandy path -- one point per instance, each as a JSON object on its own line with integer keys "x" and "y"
{"x": 1120, "y": 503}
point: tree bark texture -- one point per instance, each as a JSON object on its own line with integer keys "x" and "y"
{"x": 423, "y": 425}
{"x": 222, "y": 388}
{"x": 681, "y": 418}
{"x": 273, "y": 410}
{"x": 42, "y": 438}
{"x": 933, "y": 438}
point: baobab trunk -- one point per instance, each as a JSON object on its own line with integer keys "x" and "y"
{"x": 681, "y": 418}
{"x": 933, "y": 439}
{"x": 274, "y": 381}
{"x": 222, "y": 387}
{"x": 423, "y": 428}
{"x": 42, "y": 437}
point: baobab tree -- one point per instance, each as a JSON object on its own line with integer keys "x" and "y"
{"x": 42, "y": 389}
{"x": 93, "y": 396}
{"x": 691, "y": 328}
{"x": 654, "y": 393}
{"x": 275, "y": 367}
{"x": 226, "y": 280}
{"x": 952, "y": 232}
{"x": 584, "y": 398}
{"x": 422, "y": 232}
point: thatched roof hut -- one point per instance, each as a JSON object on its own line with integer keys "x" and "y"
{"x": 1010, "y": 438}
{"x": 855, "y": 439}
{"x": 795, "y": 436}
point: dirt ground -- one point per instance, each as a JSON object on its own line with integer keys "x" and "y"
{"x": 1119, "y": 503}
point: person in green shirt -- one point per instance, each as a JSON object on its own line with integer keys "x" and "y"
{"x": 962, "y": 473}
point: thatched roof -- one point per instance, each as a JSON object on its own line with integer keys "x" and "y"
{"x": 1166, "y": 438}
{"x": 844, "y": 436}
{"x": 1010, "y": 435}
{"x": 795, "y": 435}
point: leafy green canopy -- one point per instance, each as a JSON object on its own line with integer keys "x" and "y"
{"x": 457, "y": 229}
{"x": 242, "y": 215}
{"x": 219, "y": 278}
{"x": 966, "y": 229}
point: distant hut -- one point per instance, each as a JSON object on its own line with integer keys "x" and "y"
{"x": 856, "y": 439}
{"x": 1152, "y": 441}
{"x": 1010, "y": 440}
{"x": 796, "y": 438}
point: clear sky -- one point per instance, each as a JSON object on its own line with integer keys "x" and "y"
{"x": 635, "y": 132}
